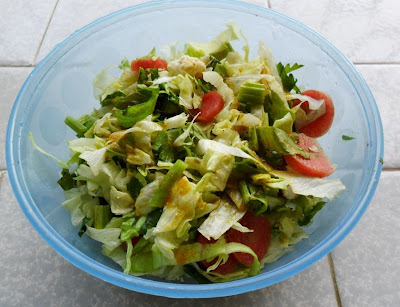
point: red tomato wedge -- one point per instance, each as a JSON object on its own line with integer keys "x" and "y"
{"x": 317, "y": 166}
{"x": 225, "y": 268}
{"x": 321, "y": 125}
{"x": 211, "y": 105}
{"x": 134, "y": 240}
{"x": 149, "y": 63}
{"x": 258, "y": 240}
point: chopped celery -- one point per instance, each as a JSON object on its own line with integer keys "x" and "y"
{"x": 102, "y": 215}
{"x": 251, "y": 93}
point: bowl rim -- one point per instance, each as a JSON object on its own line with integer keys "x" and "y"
{"x": 166, "y": 289}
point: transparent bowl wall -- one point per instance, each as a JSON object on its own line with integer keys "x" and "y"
{"x": 61, "y": 85}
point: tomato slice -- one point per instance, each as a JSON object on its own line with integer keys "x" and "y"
{"x": 321, "y": 125}
{"x": 149, "y": 63}
{"x": 134, "y": 240}
{"x": 211, "y": 105}
{"x": 258, "y": 240}
{"x": 225, "y": 268}
{"x": 317, "y": 166}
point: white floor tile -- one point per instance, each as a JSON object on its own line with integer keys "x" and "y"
{"x": 33, "y": 274}
{"x": 11, "y": 80}
{"x": 22, "y": 25}
{"x": 367, "y": 262}
{"x": 383, "y": 81}
{"x": 364, "y": 30}
{"x": 71, "y": 15}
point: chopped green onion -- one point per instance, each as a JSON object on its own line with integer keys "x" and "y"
{"x": 75, "y": 125}
{"x": 173, "y": 175}
{"x": 252, "y": 138}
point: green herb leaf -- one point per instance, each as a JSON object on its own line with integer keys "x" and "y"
{"x": 347, "y": 138}
{"x": 134, "y": 186}
{"x": 288, "y": 80}
{"x": 151, "y": 220}
{"x": 67, "y": 181}
{"x": 83, "y": 227}
{"x": 163, "y": 145}
{"x": 132, "y": 114}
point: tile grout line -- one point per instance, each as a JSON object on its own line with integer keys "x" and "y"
{"x": 334, "y": 281}
{"x": 44, "y": 33}
{"x": 16, "y": 66}
{"x": 376, "y": 63}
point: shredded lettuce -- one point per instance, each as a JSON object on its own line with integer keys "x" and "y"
{"x": 216, "y": 168}
{"x": 205, "y": 145}
{"x": 62, "y": 163}
{"x": 107, "y": 236}
{"x": 220, "y": 220}
{"x": 219, "y": 47}
{"x": 318, "y": 187}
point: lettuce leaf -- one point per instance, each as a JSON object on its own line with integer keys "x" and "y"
{"x": 271, "y": 138}
{"x": 195, "y": 252}
{"x": 265, "y": 54}
{"x": 187, "y": 96}
{"x": 94, "y": 159}
{"x": 220, "y": 220}
{"x": 121, "y": 202}
{"x": 142, "y": 204}
{"x": 205, "y": 145}
{"x": 74, "y": 206}
{"x": 218, "y": 47}
{"x": 60, "y": 162}
{"x": 179, "y": 209}
{"x": 107, "y": 236}
{"x": 177, "y": 121}
{"x": 278, "y": 107}
{"x": 317, "y": 187}
{"x": 216, "y": 168}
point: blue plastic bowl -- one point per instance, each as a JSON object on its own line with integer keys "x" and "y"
{"x": 61, "y": 85}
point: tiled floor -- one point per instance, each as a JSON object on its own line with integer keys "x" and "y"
{"x": 366, "y": 264}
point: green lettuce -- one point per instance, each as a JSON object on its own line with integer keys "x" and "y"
{"x": 107, "y": 236}
{"x": 271, "y": 138}
{"x": 133, "y": 114}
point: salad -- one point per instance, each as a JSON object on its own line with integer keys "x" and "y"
{"x": 201, "y": 162}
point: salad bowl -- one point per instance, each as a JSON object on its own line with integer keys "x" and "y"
{"x": 61, "y": 85}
